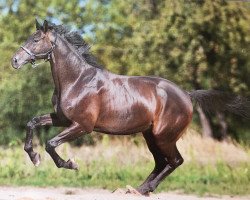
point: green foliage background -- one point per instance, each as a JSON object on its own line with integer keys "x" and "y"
{"x": 197, "y": 44}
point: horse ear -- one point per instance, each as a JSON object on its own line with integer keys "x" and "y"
{"x": 45, "y": 26}
{"x": 38, "y": 25}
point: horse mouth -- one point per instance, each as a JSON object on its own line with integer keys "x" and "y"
{"x": 16, "y": 65}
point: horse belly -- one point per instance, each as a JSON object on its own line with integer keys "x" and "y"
{"x": 125, "y": 121}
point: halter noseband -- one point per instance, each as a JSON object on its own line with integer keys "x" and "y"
{"x": 35, "y": 56}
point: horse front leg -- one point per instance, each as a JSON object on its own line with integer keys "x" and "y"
{"x": 48, "y": 119}
{"x": 70, "y": 133}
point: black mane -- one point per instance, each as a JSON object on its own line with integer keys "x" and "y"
{"x": 74, "y": 38}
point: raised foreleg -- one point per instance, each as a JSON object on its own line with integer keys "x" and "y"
{"x": 70, "y": 133}
{"x": 44, "y": 120}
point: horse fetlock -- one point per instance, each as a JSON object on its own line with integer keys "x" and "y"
{"x": 71, "y": 164}
{"x": 36, "y": 159}
{"x": 59, "y": 164}
{"x": 27, "y": 148}
{"x": 151, "y": 187}
{"x": 145, "y": 190}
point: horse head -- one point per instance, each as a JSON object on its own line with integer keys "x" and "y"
{"x": 38, "y": 46}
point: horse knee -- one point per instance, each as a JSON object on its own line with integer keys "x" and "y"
{"x": 50, "y": 145}
{"x": 32, "y": 123}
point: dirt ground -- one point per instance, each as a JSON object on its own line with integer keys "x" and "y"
{"x": 34, "y": 193}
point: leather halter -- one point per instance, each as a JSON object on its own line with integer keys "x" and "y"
{"x": 34, "y": 57}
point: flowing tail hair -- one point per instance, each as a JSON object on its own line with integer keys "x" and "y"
{"x": 213, "y": 100}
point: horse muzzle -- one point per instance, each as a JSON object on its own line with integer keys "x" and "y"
{"x": 17, "y": 63}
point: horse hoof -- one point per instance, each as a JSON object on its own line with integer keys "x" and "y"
{"x": 71, "y": 164}
{"x": 144, "y": 191}
{"x": 36, "y": 159}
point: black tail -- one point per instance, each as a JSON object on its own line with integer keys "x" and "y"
{"x": 213, "y": 100}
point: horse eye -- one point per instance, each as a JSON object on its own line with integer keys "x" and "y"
{"x": 37, "y": 39}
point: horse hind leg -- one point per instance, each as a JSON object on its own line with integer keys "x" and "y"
{"x": 173, "y": 158}
{"x": 167, "y": 157}
{"x": 160, "y": 163}
{"x": 166, "y": 135}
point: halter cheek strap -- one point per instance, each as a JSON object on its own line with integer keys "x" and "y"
{"x": 35, "y": 56}
{"x": 29, "y": 52}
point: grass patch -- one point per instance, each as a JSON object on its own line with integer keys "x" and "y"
{"x": 113, "y": 172}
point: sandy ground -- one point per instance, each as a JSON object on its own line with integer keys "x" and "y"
{"x": 33, "y": 193}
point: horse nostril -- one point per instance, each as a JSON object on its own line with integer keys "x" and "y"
{"x": 15, "y": 60}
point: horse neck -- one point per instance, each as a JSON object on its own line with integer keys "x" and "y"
{"x": 66, "y": 65}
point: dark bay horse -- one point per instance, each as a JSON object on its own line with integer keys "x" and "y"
{"x": 89, "y": 98}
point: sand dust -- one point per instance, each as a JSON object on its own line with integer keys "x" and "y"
{"x": 62, "y": 193}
